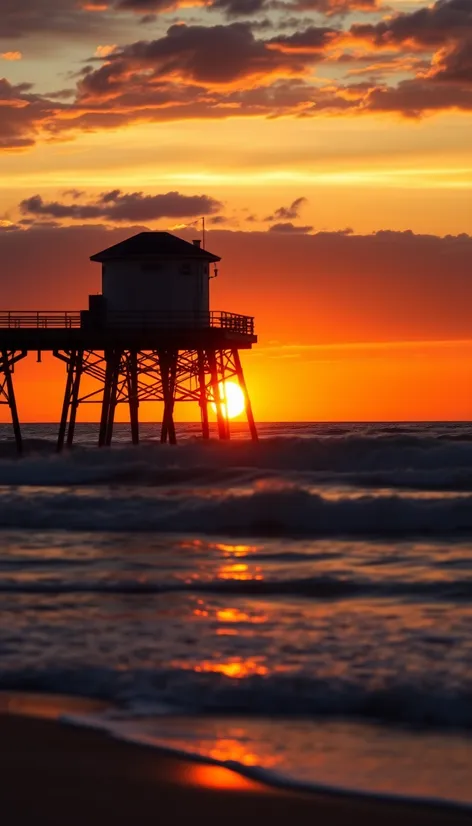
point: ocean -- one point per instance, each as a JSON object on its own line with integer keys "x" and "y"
{"x": 299, "y": 609}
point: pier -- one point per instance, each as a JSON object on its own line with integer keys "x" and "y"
{"x": 139, "y": 341}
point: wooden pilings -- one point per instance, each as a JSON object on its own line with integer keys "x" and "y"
{"x": 133, "y": 395}
{"x": 221, "y": 418}
{"x": 247, "y": 400}
{"x": 168, "y": 367}
{"x": 203, "y": 394}
{"x": 7, "y": 390}
{"x": 71, "y": 399}
{"x": 164, "y": 375}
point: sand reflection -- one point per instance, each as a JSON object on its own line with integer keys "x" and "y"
{"x": 217, "y": 777}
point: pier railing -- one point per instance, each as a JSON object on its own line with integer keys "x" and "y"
{"x": 29, "y": 319}
{"x": 61, "y": 319}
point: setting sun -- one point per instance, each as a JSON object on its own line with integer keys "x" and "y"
{"x": 232, "y": 398}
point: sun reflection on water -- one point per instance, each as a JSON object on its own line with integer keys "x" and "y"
{"x": 239, "y": 571}
{"x": 236, "y": 550}
{"x": 236, "y": 668}
{"x": 235, "y": 615}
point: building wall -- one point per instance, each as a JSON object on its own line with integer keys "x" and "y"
{"x": 167, "y": 288}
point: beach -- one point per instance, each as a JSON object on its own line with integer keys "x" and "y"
{"x": 54, "y": 773}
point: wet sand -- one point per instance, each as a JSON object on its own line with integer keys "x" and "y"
{"x": 61, "y": 775}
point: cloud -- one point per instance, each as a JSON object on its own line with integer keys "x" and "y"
{"x": 104, "y": 51}
{"x": 288, "y": 213}
{"x": 242, "y": 8}
{"x": 332, "y": 8}
{"x": 311, "y": 40}
{"x": 120, "y": 206}
{"x": 52, "y": 17}
{"x": 219, "y": 219}
{"x": 11, "y": 56}
{"x": 222, "y": 71}
{"x": 248, "y": 8}
{"x": 426, "y": 28}
{"x": 145, "y": 6}
{"x": 415, "y": 98}
{"x": 288, "y": 227}
{"x": 23, "y": 115}
{"x": 211, "y": 55}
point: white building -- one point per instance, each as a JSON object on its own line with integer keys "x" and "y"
{"x": 158, "y": 278}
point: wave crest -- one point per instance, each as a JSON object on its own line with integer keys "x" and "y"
{"x": 290, "y": 512}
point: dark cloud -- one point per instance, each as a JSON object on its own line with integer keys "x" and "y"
{"x": 23, "y": 114}
{"x": 20, "y": 18}
{"x": 74, "y": 18}
{"x": 288, "y": 213}
{"x": 332, "y": 8}
{"x": 329, "y": 8}
{"x": 426, "y": 28}
{"x": 221, "y": 71}
{"x": 202, "y": 54}
{"x": 74, "y": 193}
{"x": 288, "y": 227}
{"x": 445, "y": 31}
{"x": 121, "y": 206}
{"x": 238, "y": 8}
{"x": 145, "y": 6}
{"x": 217, "y": 220}
{"x": 312, "y": 39}
{"x": 455, "y": 65}
{"x": 414, "y": 98}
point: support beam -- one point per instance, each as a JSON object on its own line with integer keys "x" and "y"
{"x": 168, "y": 369}
{"x": 203, "y": 395}
{"x": 8, "y": 391}
{"x": 135, "y": 376}
{"x": 242, "y": 384}
{"x": 224, "y": 400}
{"x": 74, "y": 401}
{"x": 66, "y": 402}
{"x": 220, "y": 417}
{"x": 102, "y": 435}
{"x": 116, "y": 361}
{"x": 132, "y": 383}
{"x": 171, "y": 398}
{"x": 164, "y": 370}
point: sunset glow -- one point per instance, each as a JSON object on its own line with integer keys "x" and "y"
{"x": 329, "y": 153}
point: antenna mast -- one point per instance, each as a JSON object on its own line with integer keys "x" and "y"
{"x": 203, "y": 232}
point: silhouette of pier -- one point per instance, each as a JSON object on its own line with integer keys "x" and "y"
{"x": 150, "y": 336}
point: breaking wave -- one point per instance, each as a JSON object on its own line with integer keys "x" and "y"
{"x": 406, "y": 460}
{"x": 394, "y": 700}
{"x": 278, "y": 512}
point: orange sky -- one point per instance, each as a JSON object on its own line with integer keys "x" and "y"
{"x": 330, "y": 153}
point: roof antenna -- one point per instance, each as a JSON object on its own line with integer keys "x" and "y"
{"x": 203, "y": 232}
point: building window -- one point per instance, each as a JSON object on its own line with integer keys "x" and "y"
{"x": 185, "y": 268}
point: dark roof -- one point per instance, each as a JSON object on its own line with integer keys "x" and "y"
{"x": 148, "y": 244}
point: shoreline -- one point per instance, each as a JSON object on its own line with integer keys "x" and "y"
{"x": 55, "y": 772}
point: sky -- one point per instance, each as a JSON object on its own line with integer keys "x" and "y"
{"x": 326, "y": 142}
